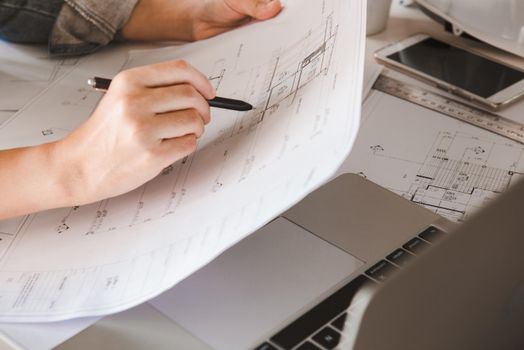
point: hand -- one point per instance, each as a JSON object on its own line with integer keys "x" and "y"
{"x": 193, "y": 19}
{"x": 150, "y": 117}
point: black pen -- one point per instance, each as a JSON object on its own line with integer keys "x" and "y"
{"x": 102, "y": 84}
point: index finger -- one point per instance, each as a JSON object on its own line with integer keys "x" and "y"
{"x": 173, "y": 73}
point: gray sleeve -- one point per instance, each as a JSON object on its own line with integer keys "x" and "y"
{"x": 82, "y": 26}
{"x": 28, "y": 21}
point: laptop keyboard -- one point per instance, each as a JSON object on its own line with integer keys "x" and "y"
{"x": 321, "y": 327}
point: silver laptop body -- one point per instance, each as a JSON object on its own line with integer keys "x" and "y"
{"x": 467, "y": 292}
{"x": 264, "y": 284}
{"x": 328, "y": 274}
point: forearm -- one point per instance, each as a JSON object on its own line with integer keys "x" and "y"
{"x": 157, "y": 20}
{"x": 33, "y": 179}
{"x": 193, "y": 20}
{"x": 82, "y": 26}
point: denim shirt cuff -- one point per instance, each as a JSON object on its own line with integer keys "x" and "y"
{"x": 83, "y": 26}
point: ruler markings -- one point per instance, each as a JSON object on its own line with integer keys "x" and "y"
{"x": 452, "y": 108}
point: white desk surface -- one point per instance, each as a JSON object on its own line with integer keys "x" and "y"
{"x": 403, "y": 22}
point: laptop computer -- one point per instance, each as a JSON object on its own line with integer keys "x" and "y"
{"x": 467, "y": 292}
{"x": 351, "y": 266}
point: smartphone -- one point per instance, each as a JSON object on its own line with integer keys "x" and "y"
{"x": 478, "y": 78}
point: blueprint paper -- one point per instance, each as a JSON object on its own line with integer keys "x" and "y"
{"x": 64, "y": 104}
{"x": 449, "y": 167}
{"x": 43, "y": 336}
{"x": 25, "y": 71}
{"x": 303, "y": 73}
{"x": 5, "y": 116}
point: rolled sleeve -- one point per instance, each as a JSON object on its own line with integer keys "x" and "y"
{"x": 28, "y": 21}
{"x": 83, "y": 26}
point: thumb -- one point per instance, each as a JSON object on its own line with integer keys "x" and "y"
{"x": 258, "y": 9}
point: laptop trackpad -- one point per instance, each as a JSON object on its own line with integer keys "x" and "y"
{"x": 256, "y": 285}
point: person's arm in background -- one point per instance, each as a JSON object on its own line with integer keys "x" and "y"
{"x": 73, "y": 27}
{"x": 69, "y": 27}
{"x": 139, "y": 127}
{"x": 189, "y": 20}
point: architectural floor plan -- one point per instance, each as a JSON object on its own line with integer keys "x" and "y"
{"x": 447, "y": 166}
{"x": 25, "y": 71}
{"x": 113, "y": 254}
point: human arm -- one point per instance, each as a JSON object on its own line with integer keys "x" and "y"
{"x": 73, "y": 27}
{"x": 116, "y": 150}
{"x": 150, "y": 117}
{"x": 190, "y": 20}
{"x": 69, "y": 27}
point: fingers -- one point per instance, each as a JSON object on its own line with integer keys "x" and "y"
{"x": 172, "y": 150}
{"x": 178, "y": 124}
{"x": 165, "y": 74}
{"x": 178, "y": 97}
{"x": 259, "y": 9}
{"x": 166, "y": 105}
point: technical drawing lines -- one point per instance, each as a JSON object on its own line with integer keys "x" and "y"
{"x": 218, "y": 74}
{"x": 458, "y": 175}
{"x": 9, "y": 229}
{"x": 38, "y": 70}
{"x": 151, "y": 201}
{"x": 62, "y": 65}
{"x": 274, "y": 85}
{"x": 463, "y": 176}
{"x": 5, "y": 115}
{"x": 289, "y": 77}
{"x": 462, "y": 173}
{"x": 275, "y": 89}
